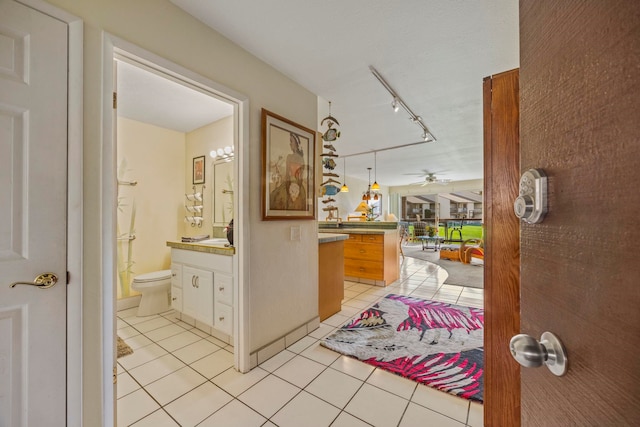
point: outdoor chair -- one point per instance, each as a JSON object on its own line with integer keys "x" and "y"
{"x": 455, "y": 227}
{"x": 419, "y": 229}
{"x": 471, "y": 248}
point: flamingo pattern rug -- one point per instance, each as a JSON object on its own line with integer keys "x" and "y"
{"x": 434, "y": 343}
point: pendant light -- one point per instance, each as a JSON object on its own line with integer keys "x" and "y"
{"x": 367, "y": 194}
{"x": 375, "y": 186}
{"x": 344, "y": 188}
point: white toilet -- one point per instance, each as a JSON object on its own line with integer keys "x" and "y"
{"x": 155, "y": 288}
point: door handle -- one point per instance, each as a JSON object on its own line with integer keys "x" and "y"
{"x": 42, "y": 281}
{"x": 531, "y": 353}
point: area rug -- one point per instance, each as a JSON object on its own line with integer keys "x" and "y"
{"x": 459, "y": 274}
{"x": 433, "y": 343}
{"x": 123, "y": 348}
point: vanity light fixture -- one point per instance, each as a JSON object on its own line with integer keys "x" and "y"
{"x": 225, "y": 153}
{"x": 397, "y": 101}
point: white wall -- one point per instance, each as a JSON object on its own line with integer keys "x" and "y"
{"x": 347, "y": 202}
{"x": 284, "y": 278}
{"x": 199, "y": 143}
{"x": 155, "y": 159}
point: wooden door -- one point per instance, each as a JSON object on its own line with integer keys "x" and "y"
{"x": 33, "y": 200}
{"x": 502, "y": 260}
{"x": 580, "y": 268}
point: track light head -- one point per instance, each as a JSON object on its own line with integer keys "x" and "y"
{"x": 395, "y": 105}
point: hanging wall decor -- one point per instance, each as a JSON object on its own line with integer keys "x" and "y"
{"x": 330, "y": 186}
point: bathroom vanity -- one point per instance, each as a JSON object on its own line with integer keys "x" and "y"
{"x": 202, "y": 286}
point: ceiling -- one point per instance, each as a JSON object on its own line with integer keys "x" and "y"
{"x": 150, "y": 98}
{"x": 433, "y": 53}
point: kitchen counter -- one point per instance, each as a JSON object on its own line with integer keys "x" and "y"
{"x": 326, "y": 237}
{"x": 370, "y": 252}
{"x": 330, "y": 273}
{"x": 347, "y": 230}
{"x": 215, "y": 247}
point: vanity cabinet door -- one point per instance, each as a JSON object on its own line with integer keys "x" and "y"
{"x": 224, "y": 319}
{"x": 224, "y": 289}
{"x": 176, "y": 286}
{"x": 176, "y": 298}
{"x": 197, "y": 294}
{"x": 176, "y": 275}
{"x": 223, "y": 297}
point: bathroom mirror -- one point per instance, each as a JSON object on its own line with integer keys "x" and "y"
{"x": 222, "y": 192}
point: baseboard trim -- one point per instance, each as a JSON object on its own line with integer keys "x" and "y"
{"x": 129, "y": 302}
{"x": 267, "y": 351}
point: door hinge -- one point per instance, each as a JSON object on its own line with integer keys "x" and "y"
{"x": 68, "y": 277}
{"x": 115, "y": 375}
{"x": 115, "y": 100}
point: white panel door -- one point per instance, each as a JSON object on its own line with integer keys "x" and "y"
{"x": 33, "y": 183}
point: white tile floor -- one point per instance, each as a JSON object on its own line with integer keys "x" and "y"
{"x": 180, "y": 376}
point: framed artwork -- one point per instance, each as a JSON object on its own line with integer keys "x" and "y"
{"x": 288, "y": 165}
{"x": 198, "y": 170}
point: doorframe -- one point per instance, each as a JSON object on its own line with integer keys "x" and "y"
{"x": 74, "y": 224}
{"x": 112, "y": 45}
{"x": 502, "y": 247}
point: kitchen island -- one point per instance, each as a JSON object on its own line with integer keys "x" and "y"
{"x": 330, "y": 273}
{"x": 370, "y": 252}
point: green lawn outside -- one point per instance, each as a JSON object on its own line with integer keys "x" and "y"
{"x": 468, "y": 232}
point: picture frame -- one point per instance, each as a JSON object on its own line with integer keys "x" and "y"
{"x": 198, "y": 170}
{"x": 288, "y": 169}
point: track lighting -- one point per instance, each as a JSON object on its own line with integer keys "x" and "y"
{"x": 395, "y": 105}
{"x": 398, "y": 102}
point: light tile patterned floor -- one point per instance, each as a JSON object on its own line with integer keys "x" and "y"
{"x": 180, "y": 376}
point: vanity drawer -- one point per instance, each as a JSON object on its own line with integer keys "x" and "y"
{"x": 176, "y": 298}
{"x": 224, "y": 318}
{"x": 223, "y": 289}
{"x": 176, "y": 275}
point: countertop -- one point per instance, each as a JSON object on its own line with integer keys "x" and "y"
{"x": 207, "y": 248}
{"x": 347, "y": 230}
{"x": 326, "y": 237}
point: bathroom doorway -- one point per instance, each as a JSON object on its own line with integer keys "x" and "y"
{"x": 152, "y": 136}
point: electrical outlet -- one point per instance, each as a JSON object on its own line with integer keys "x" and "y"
{"x": 295, "y": 234}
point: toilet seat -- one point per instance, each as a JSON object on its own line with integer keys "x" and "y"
{"x": 154, "y": 276}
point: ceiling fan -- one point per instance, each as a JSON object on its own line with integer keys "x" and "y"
{"x": 430, "y": 178}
